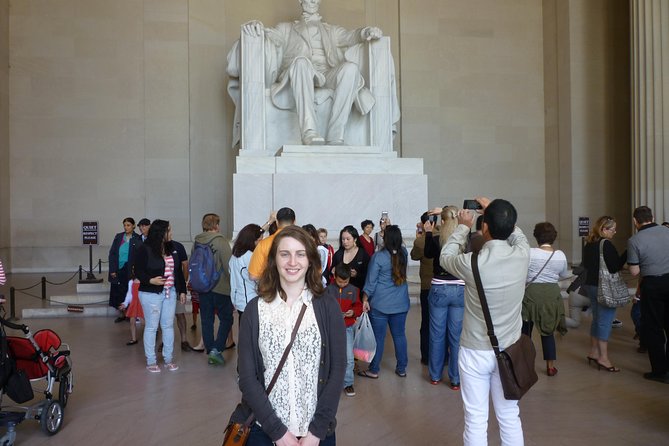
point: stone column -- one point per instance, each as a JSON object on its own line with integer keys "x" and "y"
{"x": 650, "y": 106}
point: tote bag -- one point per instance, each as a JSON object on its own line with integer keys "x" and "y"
{"x": 612, "y": 291}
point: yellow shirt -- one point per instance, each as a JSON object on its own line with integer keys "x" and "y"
{"x": 259, "y": 258}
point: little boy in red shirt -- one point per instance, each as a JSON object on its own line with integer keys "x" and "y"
{"x": 348, "y": 297}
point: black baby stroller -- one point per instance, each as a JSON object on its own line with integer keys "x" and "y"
{"x": 27, "y": 361}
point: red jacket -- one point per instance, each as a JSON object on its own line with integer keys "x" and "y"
{"x": 348, "y": 298}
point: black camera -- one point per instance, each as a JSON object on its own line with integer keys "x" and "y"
{"x": 472, "y": 205}
{"x": 432, "y": 218}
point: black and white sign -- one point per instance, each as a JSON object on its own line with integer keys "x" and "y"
{"x": 89, "y": 233}
{"x": 583, "y": 226}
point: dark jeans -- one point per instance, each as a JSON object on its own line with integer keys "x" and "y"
{"x": 397, "y": 323}
{"x": 547, "y": 342}
{"x": 258, "y": 437}
{"x": 424, "y": 326}
{"x": 222, "y": 304}
{"x": 655, "y": 321}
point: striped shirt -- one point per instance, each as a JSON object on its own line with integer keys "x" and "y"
{"x": 169, "y": 273}
{"x": 3, "y": 279}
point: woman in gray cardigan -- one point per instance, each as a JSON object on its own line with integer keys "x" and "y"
{"x": 303, "y": 403}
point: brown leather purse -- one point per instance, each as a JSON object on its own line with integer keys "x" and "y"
{"x": 516, "y": 362}
{"x": 237, "y": 434}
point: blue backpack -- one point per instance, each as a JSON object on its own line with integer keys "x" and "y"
{"x": 202, "y": 266}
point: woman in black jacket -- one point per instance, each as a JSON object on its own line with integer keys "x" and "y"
{"x": 161, "y": 282}
{"x": 304, "y": 400}
{"x": 599, "y": 243}
{"x": 121, "y": 256}
{"x": 351, "y": 253}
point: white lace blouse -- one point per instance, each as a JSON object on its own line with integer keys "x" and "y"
{"x": 294, "y": 395}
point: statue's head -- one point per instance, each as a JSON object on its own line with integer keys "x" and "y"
{"x": 310, "y": 6}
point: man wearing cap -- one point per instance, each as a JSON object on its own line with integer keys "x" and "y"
{"x": 284, "y": 217}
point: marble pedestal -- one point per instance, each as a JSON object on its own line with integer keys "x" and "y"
{"x": 330, "y": 187}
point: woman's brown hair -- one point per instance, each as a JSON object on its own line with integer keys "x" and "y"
{"x": 270, "y": 285}
{"x": 600, "y": 225}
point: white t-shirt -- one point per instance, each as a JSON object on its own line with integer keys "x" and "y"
{"x": 555, "y": 270}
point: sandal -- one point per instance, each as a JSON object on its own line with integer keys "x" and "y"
{"x": 367, "y": 374}
{"x": 131, "y": 342}
{"x": 611, "y": 369}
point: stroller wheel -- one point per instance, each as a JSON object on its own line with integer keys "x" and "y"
{"x": 51, "y": 418}
{"x": 64, "y": 389}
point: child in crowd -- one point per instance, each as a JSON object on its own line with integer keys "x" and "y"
{"x": 323, "y": 238}
{"x": 133, "y": 309}
{"x": 348, "y": 297}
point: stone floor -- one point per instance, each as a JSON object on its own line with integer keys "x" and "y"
{"x": 116, "y": 402}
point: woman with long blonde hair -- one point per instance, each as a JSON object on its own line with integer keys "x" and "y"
{"x": 446, "y": 301}
{"x": 599, "y": 240}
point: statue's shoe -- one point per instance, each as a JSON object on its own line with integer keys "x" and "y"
{"x": 336, "y": 142}
{"x": 312, "y": 138}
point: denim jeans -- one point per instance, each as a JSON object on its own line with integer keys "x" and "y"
{"x": 350, "y": 361}
{"x": 602, "y": 316}
{"x": 158, "y": 310}
{"x": 258, "y": 437}
{"x": 222, "y": 305}
{"x": 447, "y": 308}
{"x": 397, "y": 324}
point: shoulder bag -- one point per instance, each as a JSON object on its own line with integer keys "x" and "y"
{"x": 237, "y": 434}
{"x": 612, "y": 291}
{"x": 516, "y": 362}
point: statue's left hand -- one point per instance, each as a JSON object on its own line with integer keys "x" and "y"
{"x": 371, "y": 33}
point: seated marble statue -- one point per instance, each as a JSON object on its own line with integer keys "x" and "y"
{"x": 307, "y": 54}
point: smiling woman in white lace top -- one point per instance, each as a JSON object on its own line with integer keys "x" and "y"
{"x": 302, "y": 405}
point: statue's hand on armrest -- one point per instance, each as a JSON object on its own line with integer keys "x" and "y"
{"x": 253, "y": 28}
{"x": 371, "y": 33}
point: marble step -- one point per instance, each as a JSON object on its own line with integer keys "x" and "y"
{"x": 88, "y": 288}
{"x": 79, "y": 299}
{"x": 60, "y": 311}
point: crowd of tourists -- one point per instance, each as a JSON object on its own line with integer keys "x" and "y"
{"x": 298, "y": 298}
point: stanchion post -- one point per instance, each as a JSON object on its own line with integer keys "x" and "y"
{"x": 12, "y": 303}
{"x": 81, "y": 276}
{"x": 99, "y": 266}
{"x": 43, "y": 288}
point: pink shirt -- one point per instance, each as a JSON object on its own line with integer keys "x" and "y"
{"x": 169, "y": 272}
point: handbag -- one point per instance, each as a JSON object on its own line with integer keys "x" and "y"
{"x": 516, "y": 362}
{"x": 612, "y": 291}
{"x": 237, "y": 434}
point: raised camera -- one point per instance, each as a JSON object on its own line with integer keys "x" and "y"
{"x": 472, "y": 205}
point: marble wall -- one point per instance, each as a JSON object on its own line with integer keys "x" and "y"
{"x": 472, "y": 100}
{"x": 587, "y": 95}
{"x": 120, "y": 108}
{"x": 4, "y": 132}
